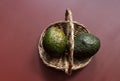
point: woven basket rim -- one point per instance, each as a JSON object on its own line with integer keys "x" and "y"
{"x": 41, "y": 49}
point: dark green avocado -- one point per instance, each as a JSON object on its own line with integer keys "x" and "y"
{"x": 85, "y": 45}
{"x": 54, "y": 41}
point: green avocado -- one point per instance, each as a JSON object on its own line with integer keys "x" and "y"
{"x": 54, "y": 41}
{"x": 85, "y": 45}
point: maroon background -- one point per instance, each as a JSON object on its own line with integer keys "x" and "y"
{"x": 22, "y": 21}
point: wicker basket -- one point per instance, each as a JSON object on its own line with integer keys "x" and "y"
{"x": 62, "y": 62}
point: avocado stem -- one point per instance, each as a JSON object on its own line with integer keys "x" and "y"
{"x": 70, "y": 35}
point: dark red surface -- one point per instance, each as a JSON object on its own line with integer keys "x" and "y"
{"x": 22, "y": 21}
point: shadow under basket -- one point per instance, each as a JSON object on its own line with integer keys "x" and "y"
{"x": 62, "y": 62}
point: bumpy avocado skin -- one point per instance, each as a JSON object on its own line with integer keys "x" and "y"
{"x": 54, "y": 41}
{"x": 85, "y": 45}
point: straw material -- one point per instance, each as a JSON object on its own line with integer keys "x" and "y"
{"x": 62, "y": 62}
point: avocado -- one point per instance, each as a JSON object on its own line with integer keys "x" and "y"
{"x": 54, "y": 41}
{"x": 85, "y": 45}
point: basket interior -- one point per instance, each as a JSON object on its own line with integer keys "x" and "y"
{"x": 62, "y": 62}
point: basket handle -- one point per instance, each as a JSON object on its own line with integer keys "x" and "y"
{"x": 70, "y": 37}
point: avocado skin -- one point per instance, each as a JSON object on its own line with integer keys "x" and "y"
{"x": 54, "y": 41}
{"x": 85, "y": 45}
